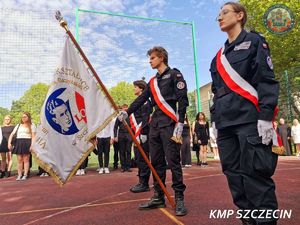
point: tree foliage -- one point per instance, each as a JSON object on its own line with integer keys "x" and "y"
{"x": 191, "y": 109}
{"x": 285, "y": 49}
{"x": 122, "y": 93}
{"x": 31, "y": 102}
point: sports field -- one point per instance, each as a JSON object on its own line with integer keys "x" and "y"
{"x": 106, "y": 199}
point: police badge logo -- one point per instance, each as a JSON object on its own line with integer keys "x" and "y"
{"x": 180, "y": 85}
{"x": 65, "y": 111}
{"x": 279, "y": 19}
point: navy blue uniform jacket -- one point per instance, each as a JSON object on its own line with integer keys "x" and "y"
{"x": 173, "y": 89}
{"x": 249, "y": 55}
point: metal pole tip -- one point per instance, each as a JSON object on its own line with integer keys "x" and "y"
{"x": 58, "y": 15}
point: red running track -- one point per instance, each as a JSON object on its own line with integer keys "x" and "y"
{"x": 105, "y": 199}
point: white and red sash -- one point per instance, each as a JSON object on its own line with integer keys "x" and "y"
{"x": 137, "y": 128}
{"x": 160, "y": 101}
{"x": 237, "y": 84}
{"x": 234, "y": 81}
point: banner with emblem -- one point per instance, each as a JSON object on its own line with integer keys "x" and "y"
{"x": 75, "y": 110}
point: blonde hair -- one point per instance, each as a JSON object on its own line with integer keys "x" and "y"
{"x": 9, "y": 116}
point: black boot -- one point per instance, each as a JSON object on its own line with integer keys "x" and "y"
{"x": 268, "y": 223}
{"x": 180, "y": 208}
{"x": 2, "y": 175}
{"x": 248, "y": 222}
{"x": 142, "y": 186}
{"x": 157, "y": 201}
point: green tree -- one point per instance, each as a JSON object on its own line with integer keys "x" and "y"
{"x": 285, "y": 49}
{"x": 122, "y": 93}
{"x": 191, "y": 109}
{"x": 31, "y": 101}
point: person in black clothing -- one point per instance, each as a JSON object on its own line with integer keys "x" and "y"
{"x": 124, "y": 141}
{"x": 245, "y": 98}
{"x": 116, "y": 149}
{"x": 202, "y": 132}
{"x": 139, "y": 121}
{"x": 5, "y": 152}
{"x": 166, "y": 89}
{"x": 186, "y": 158}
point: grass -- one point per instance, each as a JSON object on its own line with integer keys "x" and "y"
{"x": 93, "y": 161}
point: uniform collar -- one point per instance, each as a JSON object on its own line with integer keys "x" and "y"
{"x": 238, "y": 40}
{"x": 161, "y": 75}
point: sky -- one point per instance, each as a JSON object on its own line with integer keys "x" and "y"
{"x": 31, "y": 40}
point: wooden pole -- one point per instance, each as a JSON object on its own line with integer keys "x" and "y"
{"x": 65, "y": 26}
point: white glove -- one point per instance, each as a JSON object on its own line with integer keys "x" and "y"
{"x": 215, "y": 131}
{"x": 122, "y": 115}
{"x": 265, "y": 131}
{"x": 143, "y": 138}
{"x": 178, "y": 130}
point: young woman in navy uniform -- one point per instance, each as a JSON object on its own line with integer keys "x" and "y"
{"x": 245, "y": 98}
{"x": 166, "y": 90}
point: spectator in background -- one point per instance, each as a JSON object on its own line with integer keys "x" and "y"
{"x": 104, "y": 140}
{"x": 296, "y": 136}
{"x": 284, "y": 132}
{"x": 185, "y": 149}
{"x": 124, "y": 140}
{"x": 25, "y": 131}
{"x": 202, "y": 132}
{"x": 213, "y": 143}
{"x": 116, "y": 147}
{"x": 196, "y": 146}
{"x": 82, "y": 167}
{"x": 6, "y": 130}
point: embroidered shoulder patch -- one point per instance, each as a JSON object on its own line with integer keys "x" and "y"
{"x": 180, "y": 85}
{"x": 178, "y": 75}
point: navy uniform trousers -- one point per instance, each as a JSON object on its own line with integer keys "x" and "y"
{"x": 248, "y": 166}
{"x": 162, "y": 150}
{"x": 143, "y": 168}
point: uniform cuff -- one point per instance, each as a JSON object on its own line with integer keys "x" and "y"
{"x": 266, "y": 115}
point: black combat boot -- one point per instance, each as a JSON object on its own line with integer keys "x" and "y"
{"x": 180, "y": 208}
{"x": 157, "y": 201}
{"x": 248, "y": 222}
{"x": 274, "y": 222}
{"x": 142, "y": 186}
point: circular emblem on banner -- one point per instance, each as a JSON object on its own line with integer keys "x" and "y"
{"x": 65, "y": 111}
{"x": 279, "y": 19}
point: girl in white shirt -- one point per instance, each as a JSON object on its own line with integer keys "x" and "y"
{"x": 25, "y": 135}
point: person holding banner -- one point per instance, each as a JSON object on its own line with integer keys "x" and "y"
{"x": 245, "y": 99}
{"x": 167, "y": 89}
{"x": 139, "y": 122}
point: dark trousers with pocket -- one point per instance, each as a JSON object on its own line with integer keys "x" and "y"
{"x": 248, "y": 165}
{"x": 143, "y": 168}
{"x": 162, "y": 151}
{"x": 125, "y": 144}
{"x": 103, "y": 149}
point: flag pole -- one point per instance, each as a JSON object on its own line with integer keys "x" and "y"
{"x": 64, "y": 24}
